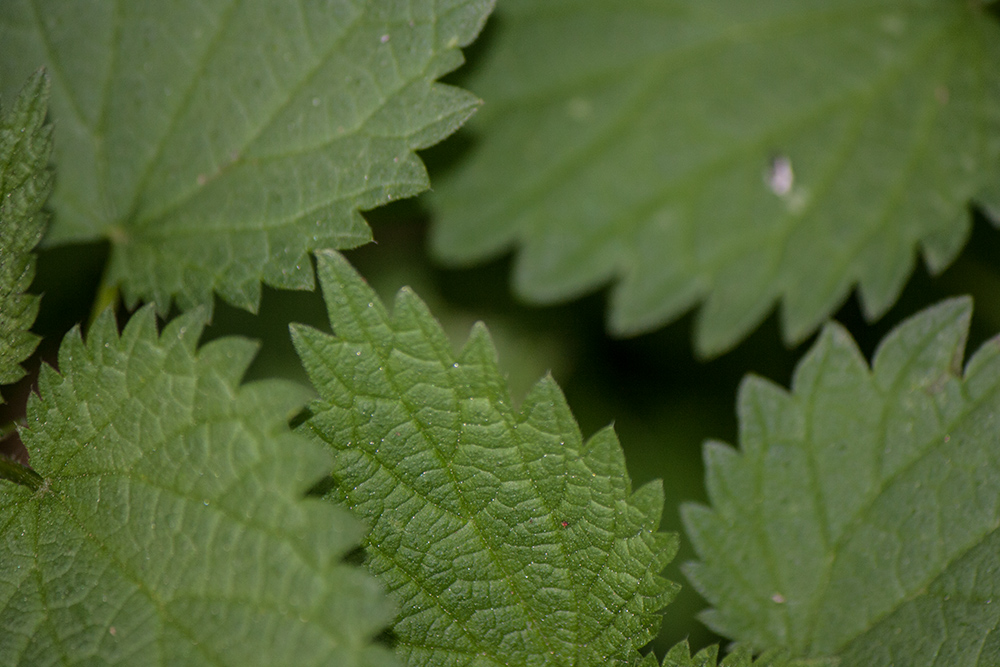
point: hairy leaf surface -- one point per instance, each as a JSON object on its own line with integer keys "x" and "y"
{"x": 25, "y": 181}
{"x": 860, "y": 517}
{"x": 504, "y": 537}
{"x": 164, "y": 522}
{"x": 215, "y": 143}
{"x": 732, "y": 153}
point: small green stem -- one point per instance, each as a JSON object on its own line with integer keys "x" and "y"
{"x": 20, "y": 474}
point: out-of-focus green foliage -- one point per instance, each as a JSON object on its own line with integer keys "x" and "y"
{"x": 738, "y": 154}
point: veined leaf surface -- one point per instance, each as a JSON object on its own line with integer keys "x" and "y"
{"x": 216, "y": 142}
{"x": 861, "y": 516}
{"x": 165, "y": 522}
{"x": 738, "y": 154}
{"x": 25, "y": 181}
{"x": 741, "y": 656}
{"x": 504, "y": 537}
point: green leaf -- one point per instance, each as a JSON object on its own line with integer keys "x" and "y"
{"x": 503, "y": 536}
{"x": 25, "y": 181}
{"x": 860, "y": 516}
{"x": 733, "y": 153}
{"x": 680, "y": 656}
{"x": 166, "y": 523}
{"x": 215, "y": 143}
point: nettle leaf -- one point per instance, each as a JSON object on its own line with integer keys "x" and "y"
{"x": 164, "y": 521}
{"x": 860, "y": 517}
{"x": 741, "y": 656}
{"x": 216, "y": 143}
{"x": 503, "y": 536}
{"x": 733, "y": 153}
{"x": 25, "y": 181}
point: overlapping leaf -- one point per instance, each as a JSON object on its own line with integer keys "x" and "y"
{"x": 733, "y": 153}
{"x": 25, "y": 143}
{"x": 165, "y": 522}
{"x": 860, "y": 516}
{"x": 504, "y": 537}
{"x": 215, "y": 143}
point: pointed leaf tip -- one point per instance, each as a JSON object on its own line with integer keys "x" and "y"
{"x": 466, "y": 499}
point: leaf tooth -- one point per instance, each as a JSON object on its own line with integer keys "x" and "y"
{"x": 310, "y": 345}
{"x": 706, "y": 529}
{"x": 932, "y": 340}
{"x": 343, "y": 288}
{"x": 230, "y": 356}
{"x": 460, "y": 105}
{"x": 764, "y": 408}
{"x": 545, "y": 407}
{"x": 648, "y": 499}
{"x": 678, "y": 656}
{"x": 186, "y": 328}
{"x": 881, "y": 280}
{"x": 104, "y": 330}
{"x": 648, "y": 660}
{"x": 479, "y": 347}
{"x": 742, "y": 656}
{"x": 977, "y": 369}
{"x": 49, "y": 380}
{"x": 73, "y": 353}
{"x": 242, "y": 293}
{"x": 720, "y": 462}
{"x": 666, "y": 546}
{"x": 834, "y": 346}
{"x": 604, "y": 456}
{"x": 31, "y": 105}
{"x": 409, "y": 310}
{"x": 940, "y": 249}
{"x": 458, "y": 23}
{"x": 289, "y": 273}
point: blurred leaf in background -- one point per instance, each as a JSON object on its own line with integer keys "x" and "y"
{"x": 735, "y": 154}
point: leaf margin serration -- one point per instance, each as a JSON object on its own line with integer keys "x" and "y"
{"x": 257, "y": 520}
{"x": 362, "y": 328}
{"x": 249, "y": 232}
{"x": 890, "y": 526}
{"x": 25, "y": 146}
{"x": 550, "y": 264}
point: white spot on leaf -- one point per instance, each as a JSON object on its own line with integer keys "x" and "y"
{"x": 780, "y": 177}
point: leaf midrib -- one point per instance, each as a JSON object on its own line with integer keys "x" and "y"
{"x": 384, "y": 356}
{"x": 883, "y": 483}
